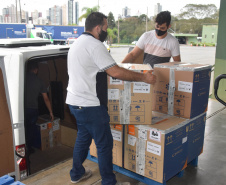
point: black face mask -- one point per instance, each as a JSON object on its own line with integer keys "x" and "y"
{"x": 159, "y": 32}
{"x": 103, "y": 35}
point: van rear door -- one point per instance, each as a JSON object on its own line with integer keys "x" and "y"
{"x": 7, "y": 156}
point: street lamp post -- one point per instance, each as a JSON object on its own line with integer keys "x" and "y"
{"x": 147, "y": 20}
{"x": 118, "y": 30}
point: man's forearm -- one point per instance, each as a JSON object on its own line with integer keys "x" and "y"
{"x": 127, "y": 75}
{"x": 128, "y": 59}
{"x": 48, "y": 105}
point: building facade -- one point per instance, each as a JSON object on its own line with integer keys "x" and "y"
{"x": 158, "y": 8}
{"x": 126, "y": 12}
{"x": 70, "y": 12}
{"x": 55, "y": 15}
{"x": 64, "y": 14}
{"x": 76, "y": 13}
{"x": 209, "y": 33}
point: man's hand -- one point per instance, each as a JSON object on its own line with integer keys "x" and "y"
{"x": 51, "y": 116}
{"x": 149, "y": 77}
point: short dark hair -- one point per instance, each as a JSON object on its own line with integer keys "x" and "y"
{"x": 94, "y": 19}
{"x": 163, "y": 17}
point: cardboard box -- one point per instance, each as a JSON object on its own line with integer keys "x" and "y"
{"x": 68, "y": 133}
{"x": 158, "y": 151}
{"x": 181, "y": 89}
{"x": 195, "y": 132}
{"x": 117, "y": 152}
{"x": 47, "y": 134}
{"x": 130, "y": 102}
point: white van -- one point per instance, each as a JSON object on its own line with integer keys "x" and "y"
{"x": 52, "y": 61}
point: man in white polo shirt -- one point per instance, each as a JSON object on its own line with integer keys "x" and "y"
{"x": 157, "y": 45}
{"x": 86, "y": 57}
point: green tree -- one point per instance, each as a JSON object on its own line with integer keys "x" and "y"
{"x": 112, "y": 34}
{"x": 88, "y": 11}
{"x": 111, "y": 20}
{"x": 142, "y": 18}
{"x": 198, "y": 11}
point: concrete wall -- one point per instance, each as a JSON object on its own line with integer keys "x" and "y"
{"x": 220, "y": 63}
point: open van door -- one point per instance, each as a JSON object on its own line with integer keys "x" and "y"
{"x": 7, "y": 154}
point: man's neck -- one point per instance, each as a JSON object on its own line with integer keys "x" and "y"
{"x": 93, "y": 34}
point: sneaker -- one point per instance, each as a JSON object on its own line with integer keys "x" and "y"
{"x": 122, "y": 183}
{"x": 87, "y": 174}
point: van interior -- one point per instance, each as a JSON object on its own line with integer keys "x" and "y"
{"x": 52, "y": 70}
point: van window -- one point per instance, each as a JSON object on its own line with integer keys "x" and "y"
{"x": 52, "y": 71}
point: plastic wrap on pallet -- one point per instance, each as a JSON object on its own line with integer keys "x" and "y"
{"x": 171, "y": 92}
{"x": 124, "y": 103}
{"x": 148, "y": 127}
{"x": 140, "y": 156}
{"x": 135, "y": 67}
{"x": 156, "y": 119}
{"x": 127, "y": 101}
{"x": 185, "y": 66}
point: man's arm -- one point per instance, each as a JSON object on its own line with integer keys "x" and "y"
{"x": 127, "y": 75}
{"x": 48, "y": 105}
{"x": 177, "y": 58}
{"x": 133, "y": 55}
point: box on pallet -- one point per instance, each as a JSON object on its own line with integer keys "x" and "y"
{"x": 130, "y": 102}
{"x": 157, "y": 151}
{"x": 195, "y": 132}
{"x": 47, "y": 133}
{"x": 117, "y": 152}
{"x": 181, "y": 89}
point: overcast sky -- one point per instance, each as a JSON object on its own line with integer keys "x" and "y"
{"x": 115, "y": 6}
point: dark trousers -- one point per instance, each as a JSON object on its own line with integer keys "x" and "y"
{"x": 31, "y": 119}
{"x": 93, "y": 122}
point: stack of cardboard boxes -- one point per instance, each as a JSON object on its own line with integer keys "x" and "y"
{"x": 164, "y": 124}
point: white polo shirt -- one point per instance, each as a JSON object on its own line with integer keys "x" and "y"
{"x": 86, "y": 57}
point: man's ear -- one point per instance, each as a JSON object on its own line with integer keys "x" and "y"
{"x": 169, "y": 26}
{"x": 98, "y": 29}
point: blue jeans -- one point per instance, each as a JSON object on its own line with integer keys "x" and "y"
{"x": 93, "y": 122}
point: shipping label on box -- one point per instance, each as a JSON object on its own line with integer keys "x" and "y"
{"x": 130, "y": 102}
{"x": 158, "y": 151}
{"x": 181, "y": 89}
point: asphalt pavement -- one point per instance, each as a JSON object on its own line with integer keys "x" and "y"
{"x": 189, "y": 54}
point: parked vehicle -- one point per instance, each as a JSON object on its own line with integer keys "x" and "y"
{"x": 134, "y": 42}
{"x": 20, "y": 31}
{"x": 60, "y": 34}
{"x": 70, "y": 41}
{"x": 57, "y": 34}
{"x": 107, "y": 46}
{"x": 52, "y": 61}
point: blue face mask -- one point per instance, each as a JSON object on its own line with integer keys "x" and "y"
{"x": 159, "y": 32}
{"x": 103, "y": 35}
